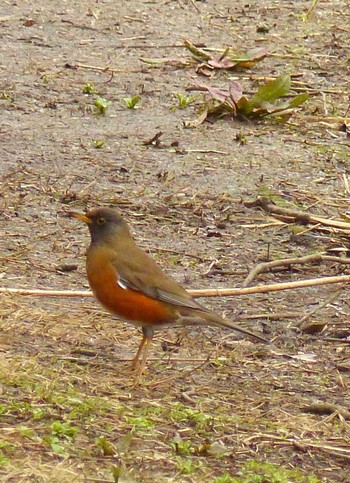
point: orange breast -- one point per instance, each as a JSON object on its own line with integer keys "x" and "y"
{"x": 127, "y": 304}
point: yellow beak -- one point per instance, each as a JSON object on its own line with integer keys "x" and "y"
{"x": 80, "y": 216}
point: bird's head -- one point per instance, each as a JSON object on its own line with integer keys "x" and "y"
{"x": 104, "y": 224}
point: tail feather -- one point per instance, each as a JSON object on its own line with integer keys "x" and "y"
{"x": 227, "y": 323}
{"x": 213, "y": 319}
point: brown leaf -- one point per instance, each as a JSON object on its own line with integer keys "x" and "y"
{"x": 215, "y": 92}
{"x": 236, "y": 91}
{"x": 231, "y": 60}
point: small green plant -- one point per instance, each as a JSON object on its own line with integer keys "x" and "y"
{"x": 241, "y": 139}
{"x": 233, "y": 103}
{"x": 63, "y": 430}
{"x": 6, "y": 449}
{"x": 139, "y": 423}
{"x": 254, "y": 471}
{"x": 197, "y": 419}
{"x": 184, "y": 101}
{"x": 26, "y": 432}
{"x": 89, "y": 89}
{"x": 181, "y": 446}
{"x": 224, "y": 478}
{"x": 54, "y": 443}
{"x": 60, "y": 438}
{"x": 101, "y": 105}
{"x": 106, "y": 447}
{"x": 23, "y": 408}
{"x": 188, "y": 466}
{"x": 116, "y": 473}
{"x": 3, "y": 459}
{"x": 98, "y": 143}
{"x": 85, "y": 409}
{"x": 130, "y": 102}
{"x": 148, "y": 410}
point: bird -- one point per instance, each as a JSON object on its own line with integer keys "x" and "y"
{"x": 132, "y": 286}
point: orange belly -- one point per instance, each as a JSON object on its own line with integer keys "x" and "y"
{"x": 127, "y": 304}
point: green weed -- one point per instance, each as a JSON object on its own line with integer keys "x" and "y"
{"x": 130, "y": 102}
{"x": 184, "y": 101}
{"x": 254, "y": 471}
{"x": 101, "y": 104}
{"x": 196, "y": 419}
{"x": 89, "y": 89}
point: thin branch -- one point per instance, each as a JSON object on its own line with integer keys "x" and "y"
{"x": 224, "y": 292}
{"x": 327, "y": 408}
{"x": 288, "y": 262}
{"x": 302, "y": 322}
{"x": 333, "y": 339}
{"x": 294, "y": 216}
{"x": 342, "y": 451}
{"x": 46, "y": 293}
{"x": 270, "y": 315}
{"x": 105, "y": 69}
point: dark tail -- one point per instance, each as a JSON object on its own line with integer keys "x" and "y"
{"x": 202, "y": 316}
{"x": 227, "y": 323}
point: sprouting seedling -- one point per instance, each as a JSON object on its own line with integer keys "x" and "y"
{"x": 184, "y": 101}
{"x": 101, "y": 105}
{"x": 89, "y": 89}
{"x": 130, "y": 102}
{"x": 98, "y": 143}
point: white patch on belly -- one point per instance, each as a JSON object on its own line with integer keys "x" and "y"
{"x": 122, "y": 285}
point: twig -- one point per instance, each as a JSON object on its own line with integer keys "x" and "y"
{"x": 104, "y": 69}
{"x": 333, "y": 339}
{"x": 346, "y": 183}
{"x": 288, "y": 262}
{"x": 224, "y": 292}
{"x": 301, "y": 323}
{"x": 270, "y": 316}
{"x": 46, "y": 293}
{"x": 335, "y": 450}
{"x": 327, "y": 408}
{"x": 154, "y": 140}
{"x": 301, "y": 444}
{"x": 339, "y": 119}
{"x": 130, "y": 359}
{"x": 295, "y": 216}
{"x": 206, "y": 151}
{"x": 194, "y": 6}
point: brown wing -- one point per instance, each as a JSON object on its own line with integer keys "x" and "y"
{"x": 140, "y": 272}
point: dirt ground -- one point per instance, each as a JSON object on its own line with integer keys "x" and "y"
{"x": 213, "y": 407}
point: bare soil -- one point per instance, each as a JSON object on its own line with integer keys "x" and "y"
{"x": 213, "y": 407}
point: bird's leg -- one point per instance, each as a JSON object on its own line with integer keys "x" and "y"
{"x": 148, "y": 333}
{"x": 142, "y": 366}
{"x": 138, "y": 354}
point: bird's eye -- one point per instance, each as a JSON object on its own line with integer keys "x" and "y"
{"x": 101, "y": 221}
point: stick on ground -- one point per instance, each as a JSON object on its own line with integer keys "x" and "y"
{"x": 223, "y": 292}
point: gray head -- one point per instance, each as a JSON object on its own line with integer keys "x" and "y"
{"x": 105, "y": 224}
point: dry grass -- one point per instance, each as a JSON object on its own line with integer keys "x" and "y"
{"x": 212, "y": 408}
{"x": 204, "y": 409}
